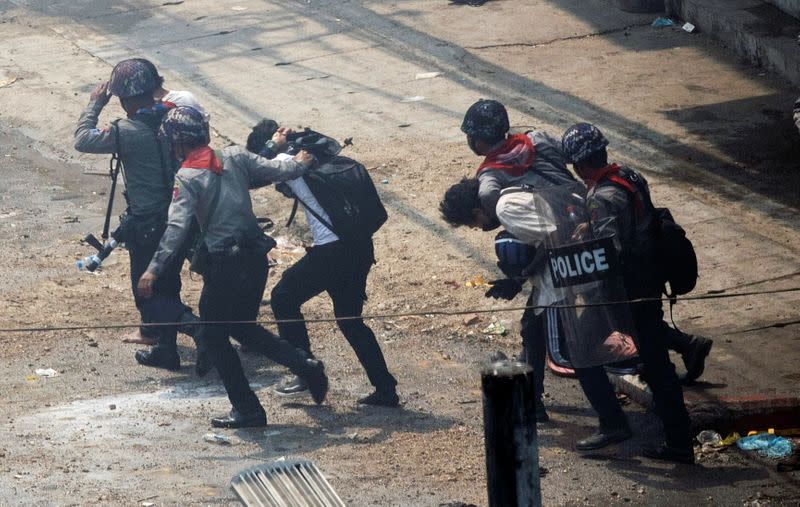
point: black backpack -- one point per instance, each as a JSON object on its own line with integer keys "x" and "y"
{"x": 345, "y": 190}
{"x": 675, "y": 255}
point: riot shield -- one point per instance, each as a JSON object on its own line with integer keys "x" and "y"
{"x": 586, "y": 272}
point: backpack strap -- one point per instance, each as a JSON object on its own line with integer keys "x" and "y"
{"x": 628, "y": 186}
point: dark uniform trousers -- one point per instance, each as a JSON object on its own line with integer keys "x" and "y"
{"x": 232, "y": 290}
{"x": 594, "y": 381}
{"x": 653, "y": 340}
{"x": 165, "y": 305}
{"x": 340, "y": 270}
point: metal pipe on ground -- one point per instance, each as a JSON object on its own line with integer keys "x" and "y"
{"x": 512, "y": 446}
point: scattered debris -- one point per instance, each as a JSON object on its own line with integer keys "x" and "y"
{"x": 471, "y": 319}
{"x": 452, "y": 284}
{"x": 71, "y": 220}
{"x": 112, "y": 406}
{"x": 404, "y": 125}
{"x": 495, "y": 328}
{"x": 49, "y": 372}
{"x": 689, "y": 28}
{"x": 709, "y": 439}
{"x": 9, "y": 82}
{"x": 767, "y": 444}
{"x": 477, "y": 281}
{"x": 415, "y": 98}
{"x": 348, "y": 141}
{"x": 731, "y": 439}
{"x": 385, "y": 181}
{"x": 427, "y": 75}
{"x": 173, "y": 2}
{"x": 543, "y": 471}
{"x": 217, "y": 438}
{"x": 238, "y": 8}
{"x": 662, "y": 22}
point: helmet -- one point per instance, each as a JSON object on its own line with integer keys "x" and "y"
{"x": 582, "y": 140}
{"x": 513, "y": 256}
{"x": 260, "y": 134}
{"x": 486, "y": 119}
{"x": 184, "y": 125}
{"x": 131, "y": 78}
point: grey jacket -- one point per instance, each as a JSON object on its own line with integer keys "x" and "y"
{"x": 548, "y": 168}
{"x": 233, "y": 218}
{"x": 148, "y": 166}
{"x": 614, "y": 213}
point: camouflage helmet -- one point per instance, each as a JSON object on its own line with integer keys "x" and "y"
{"x": 184, "y": 125}
{"x": 131, "y": 78}
{"x": 486, "y": 119}
{"x": 582, "y": 140}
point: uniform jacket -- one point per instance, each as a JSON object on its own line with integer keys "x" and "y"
{"x": 148, "y": 165}
{"x": 615, "y": 212}
{"x": 233, "y": 219}
{"x": 548, "y": 168}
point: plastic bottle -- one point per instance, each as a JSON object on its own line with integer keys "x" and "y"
{"x": 89, "y": 263}
{"x": 709, "y": 437}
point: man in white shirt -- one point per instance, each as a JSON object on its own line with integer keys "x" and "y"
{"x": 338, "y": 266}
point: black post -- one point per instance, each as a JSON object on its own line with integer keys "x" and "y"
{"x": 512, "y": 447}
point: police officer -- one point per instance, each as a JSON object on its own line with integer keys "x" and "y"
{"x": 630, "y": 219}
{"x": 533, "y": 159}
{"x": 519, "y": 261}
{"x": 214, "y": 188}
{"x": 148, "y": 175}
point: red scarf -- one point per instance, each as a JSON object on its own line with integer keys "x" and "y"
{"x": 603, "y": 173}
{"x": 611, "y": 173}
{"x": 203, "y": 158}
{"x": 514, "y": 157}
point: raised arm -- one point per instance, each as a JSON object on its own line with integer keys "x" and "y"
{"x": 88, "y": 138}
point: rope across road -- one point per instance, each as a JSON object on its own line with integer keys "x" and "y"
{"x": 421, "y": 313}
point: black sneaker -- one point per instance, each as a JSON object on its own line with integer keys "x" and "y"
{"x": 695, "y": 359}
{"x": 292, "y": 386}
{"x": 667, "y": 453}
{"x": 237, "y": 419}
{"x": 603, "y": 438}
{"x": 317, "y": 381}
{"x": 381, "y": 398}
{"x": 541, "y": 412}
{"x": 159, "y": 357}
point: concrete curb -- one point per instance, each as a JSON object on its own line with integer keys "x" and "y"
{"x": 725, "y": 415}
{"x": 757, "y": 31}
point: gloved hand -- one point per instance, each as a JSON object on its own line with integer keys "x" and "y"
{"x": 507, "y": 289}
{"x": 100, "y": 94}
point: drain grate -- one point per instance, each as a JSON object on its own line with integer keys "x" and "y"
{"x": 295, "y": 483}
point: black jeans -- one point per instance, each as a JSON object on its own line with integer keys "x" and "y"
{"x": 165, "y": 305}
{"x": 232, "y": 291}
{"x": 340, "y": 270}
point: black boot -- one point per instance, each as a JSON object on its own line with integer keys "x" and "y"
{"x": 541, "y": 412}
{"x": 317, "y": 380}
{"x": 382, "y": 398}
{"x": 603, "y": 438}
{"x": 255, "y": 418}
{"x": 159, "y": 357}
{"x": 695, "y": 358}
{"x": 667, "y": 453}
